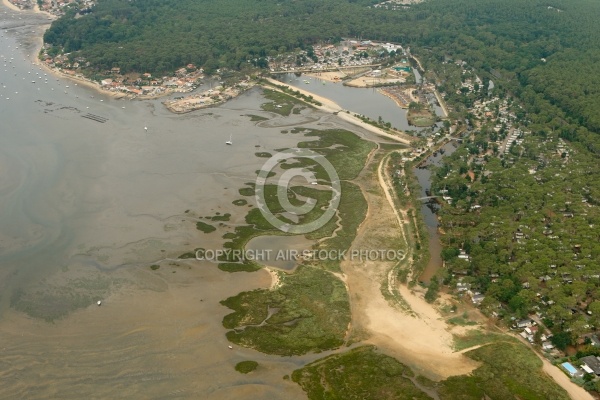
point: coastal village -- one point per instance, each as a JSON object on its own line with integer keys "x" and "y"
{"x": 358, "y": 69}
{"x": 54, "y": 7}
{"x": 353, "y": 63}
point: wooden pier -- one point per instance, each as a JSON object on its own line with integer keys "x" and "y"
{"x": 94, "y": 117}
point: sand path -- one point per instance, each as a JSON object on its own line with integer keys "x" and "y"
{"x": 576, "y": 392}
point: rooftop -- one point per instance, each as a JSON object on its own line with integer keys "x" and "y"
{"x": 592, "y": 362}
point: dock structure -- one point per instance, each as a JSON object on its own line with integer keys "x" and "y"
{"x": 96, "y": 118}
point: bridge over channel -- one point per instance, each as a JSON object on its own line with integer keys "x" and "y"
{"x": 427, "y": 197}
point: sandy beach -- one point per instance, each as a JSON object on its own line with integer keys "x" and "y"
{"x": 415, "y": 334}
{"x": 369, "y": 81}
{"x": 332, "y": 76}
{"x": 10, "y": 5}
{"x": 77, "y": 79}
{"x": 423, "y": 340}
{"x": 342, "y": 73}
{"x": 80, "y": 81}
{"x": 442, "y": 103}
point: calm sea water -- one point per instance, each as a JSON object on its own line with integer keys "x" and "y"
{"x": 86, "y": 208}
{"x": 365, "y": 101}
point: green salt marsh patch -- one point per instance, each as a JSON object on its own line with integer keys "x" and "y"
{"x": 204, "y": 227}
{"x": 281, "y": 103}
{"x": 308, "y": 312}
{"x": 256, "y": 118}
{"x": 245, "y": 367}
{"x": 360, "y": 373}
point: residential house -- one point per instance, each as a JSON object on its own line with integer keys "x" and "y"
{"x": 531, "y": 330}
{"x": 477, "y": 298}
{"x": 463, "y": 255}
{"x": 592, "y": 363}
{"x": 463, "y": 286}
{"x": 523, "y": 323}
{"x": 547, "y": 346}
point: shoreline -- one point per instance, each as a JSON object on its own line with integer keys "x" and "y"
{"x": 396, "y": 100}
{"x": 83, "y": 81}
{"x": 185, "y": 105}
{"x": 330, "y": 106}
{"x": 441, "y": 102}
{"x": 11, "y": 6}
{"x": 34, "y": 59}
{"x": 36, "y": 9}
{"x": 327, "y": 76}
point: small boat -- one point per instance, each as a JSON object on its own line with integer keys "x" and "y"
{"x": 230, "y": 347}
{"x": 99, "y": 302}
{"x": 145, "y": 128}
{"x": 229, "y": 142}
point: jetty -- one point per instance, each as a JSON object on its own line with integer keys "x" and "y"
{"x": 95, "y": 117}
